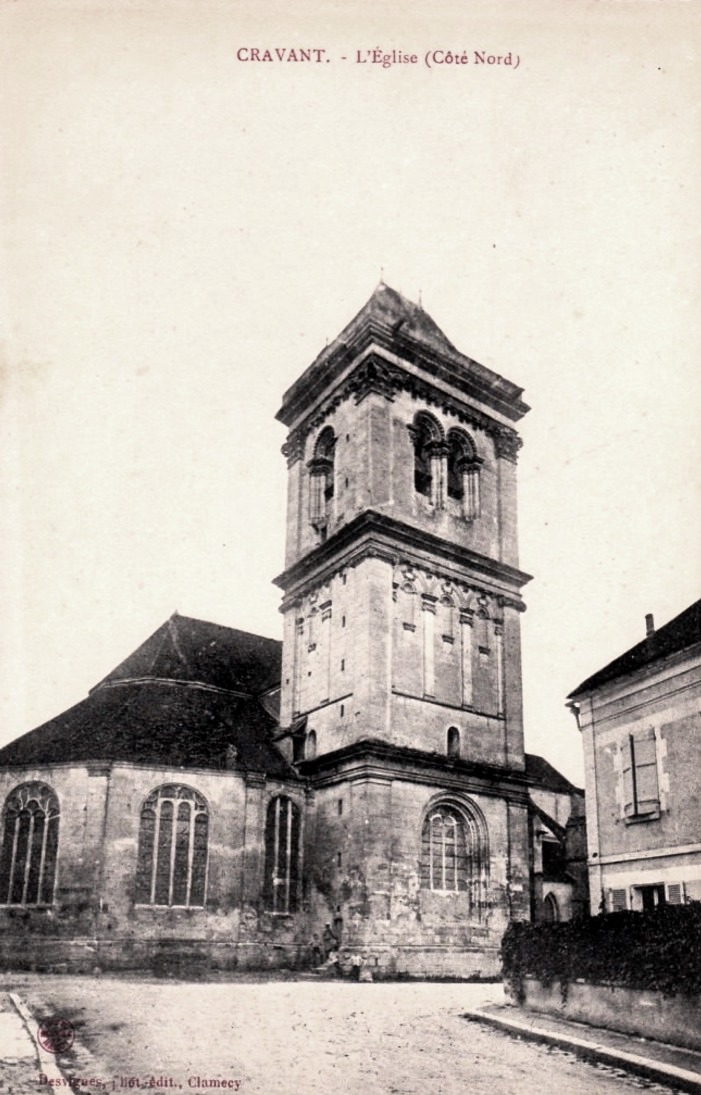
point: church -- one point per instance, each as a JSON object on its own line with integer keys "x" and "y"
{"x": 220, "y": 800}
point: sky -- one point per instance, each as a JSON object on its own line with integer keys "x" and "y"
{"x": 183, "y": 229}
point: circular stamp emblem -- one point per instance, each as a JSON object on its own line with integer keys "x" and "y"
{"x": 55, "y": 1035}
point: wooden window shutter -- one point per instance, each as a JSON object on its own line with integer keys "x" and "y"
{"x": 675, "y": 893}
{"x": 628, "y": 783}
{"x": 648, "y": 798}
{"x": 618, "y": 900}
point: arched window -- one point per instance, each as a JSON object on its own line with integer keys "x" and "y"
{"x": 172, "y": 857}
{"x": 454, "y": 853}
{"x": 281, "y": 883}
{"x": 321, "y": 480}
{"x": 551, "y": 911}
{"x": 310, "y": 746}
{"x": 453, "y": 741}
{"x": 427, "y": 438}
{"x": 463, "y": 472}
{"x": 29, "y": 846}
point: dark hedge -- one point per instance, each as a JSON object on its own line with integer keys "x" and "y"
{"x": 659, "y": 950}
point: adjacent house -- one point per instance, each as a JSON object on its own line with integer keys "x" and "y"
{"x": 640, "y": 719}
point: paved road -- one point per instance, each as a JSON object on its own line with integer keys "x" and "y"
{"x": 303, "y": 1038}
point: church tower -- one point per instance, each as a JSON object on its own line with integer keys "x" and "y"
{"x": 401, "y": 675}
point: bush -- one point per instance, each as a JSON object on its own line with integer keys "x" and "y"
{"x": 658, "y": 950}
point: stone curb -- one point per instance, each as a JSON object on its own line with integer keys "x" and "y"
{"x": 632, "y": 1062}
{"x": 46, "y": 1062}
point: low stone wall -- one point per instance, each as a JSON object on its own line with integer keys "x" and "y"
{"x": 672, "y": 1019}
{"x": 454, "y": 963}
{"x": 179, "y": 957}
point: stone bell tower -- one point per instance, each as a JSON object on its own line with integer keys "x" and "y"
{"x": 401, "y": 680}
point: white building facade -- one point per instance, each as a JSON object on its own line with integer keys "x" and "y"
{"x": 640, "y": 719}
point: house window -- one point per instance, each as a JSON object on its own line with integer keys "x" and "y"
{"x": 321, "y": 480}
{"x": 453, "y": 741}
{"x": 310, "y": 746}
{"x": 281, "y": 855}
{"x": 172, "y": 857}
{"x": 651, "y": 896}
{"x": 29, "y": 846}
{"x": 640, "y": 788}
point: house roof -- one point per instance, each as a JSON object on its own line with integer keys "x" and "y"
{"x": 187, "y": 695}
{"x": 681, "y": 632}
{"x": 542, "y": 775}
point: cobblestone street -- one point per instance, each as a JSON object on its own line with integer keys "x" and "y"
{"x": 296, "y": 1037}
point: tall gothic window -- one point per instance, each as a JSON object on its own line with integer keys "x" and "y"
{"x": 29, "y": 846}
{"x": 445, "y": 863}
{"x": 172, "y": 857}
{"x": 454, "y": 854}
{"x": 281, "y": 883}
{"x": 321, "y": 480}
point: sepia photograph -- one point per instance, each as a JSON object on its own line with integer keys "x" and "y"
{"x": 350, "y": 510}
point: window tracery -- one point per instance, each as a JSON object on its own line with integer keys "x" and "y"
{"x": 29, "y": 845}
{"x": 454, "y": 853}
{"x": 172, "y": 854}
{"x": 281, "y": 882}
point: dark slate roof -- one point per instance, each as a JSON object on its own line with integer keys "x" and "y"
{"x": 541, "y": 774}
{"x": 408, "y": 327}
{"x": 401, "y": 313}
{"x": 183, "y": 649}
{"x": 681, "y": 632}
{"x": 162, "y": 706}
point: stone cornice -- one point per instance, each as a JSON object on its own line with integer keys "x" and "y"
{"x": 375, "y": 534}
{"x": 375, "y": 373}
{"x": 440, "y": 360}
{"x": 374, "y": 759}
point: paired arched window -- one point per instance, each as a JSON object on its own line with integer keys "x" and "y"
{"x": 445, "y": 467}
{"x": 281, "y": 882}
{"x": 172, "y": 857}
{"x": 29, "y": 846}
{"x": 453, "y": 853}
{"x": 321, "y": 480}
